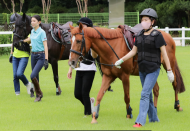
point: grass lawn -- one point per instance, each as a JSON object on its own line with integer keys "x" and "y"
{"x": 64, "y": 112}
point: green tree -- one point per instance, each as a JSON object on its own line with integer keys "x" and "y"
{"x": 185, "y": 6}
{"x": 147, "y": 4}
{"x": 171, "y": 13}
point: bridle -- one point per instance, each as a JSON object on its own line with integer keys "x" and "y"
{"x": 25, "y": 31}
{"x": 83, "y": 45}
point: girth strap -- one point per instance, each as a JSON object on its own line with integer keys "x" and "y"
{"x": 61, "y": 53}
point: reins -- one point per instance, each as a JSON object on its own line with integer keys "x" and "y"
{"x": 83, "y": 45}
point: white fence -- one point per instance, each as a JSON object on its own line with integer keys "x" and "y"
{"x": 167, "y": 29}
{"x": 4, "y": 33}
{"x": 183, "y": 29}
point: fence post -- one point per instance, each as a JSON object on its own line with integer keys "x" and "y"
{"x": 183, "y": 36}
{"x": 167, "y": 30}
{"x": 58, "y": 18}
{"x": 137, "y": 17}
{"x": 7, "y": 19}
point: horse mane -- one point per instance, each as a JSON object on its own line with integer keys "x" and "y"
{"x": 92, "y": 33}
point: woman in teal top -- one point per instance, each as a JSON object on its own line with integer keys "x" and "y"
{"x": 19, "y": 59}
{"x": 39, "y": 56}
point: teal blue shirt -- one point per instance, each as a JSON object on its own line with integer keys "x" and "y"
{"x": 37, "y": 37}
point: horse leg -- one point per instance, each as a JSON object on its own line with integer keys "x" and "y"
{"x": 54, "y": 64}
{"x": 125, "y": 81}
{"x": 178, "y": 84}
{"x": 177, "y": 105}
{"x": 156, "y": 93}
{"x": 106, "y": 81}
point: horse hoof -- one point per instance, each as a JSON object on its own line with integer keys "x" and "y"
{"x": 129, "y": 116}
{"x": 58, "y": 93}
{"x": 94, "y": 121}
{"x": 38, "y": 99}
{"x": 180, "y": 109}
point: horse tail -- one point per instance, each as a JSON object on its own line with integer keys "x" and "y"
{"x": 180, "y": 87}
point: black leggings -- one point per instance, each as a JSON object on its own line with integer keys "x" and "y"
{"x": 83, "y": 84}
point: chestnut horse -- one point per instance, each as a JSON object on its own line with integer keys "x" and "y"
{"x": 85, "y": 38}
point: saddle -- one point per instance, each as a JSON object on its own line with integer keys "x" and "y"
{"x": 58, "y": 30}
{"x": 61, "y": 34}
{"x": 130, "y": 33}
{"x": 64, "y": 26}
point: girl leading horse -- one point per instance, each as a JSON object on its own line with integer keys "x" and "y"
{"x": 55, "y": 50}
{"x": 89, "y": 38}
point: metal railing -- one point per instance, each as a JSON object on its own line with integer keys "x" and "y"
{"x": 131, "y": 18}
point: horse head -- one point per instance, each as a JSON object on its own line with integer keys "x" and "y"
{"x": 22, "y": 27}
{"x": 79, "y": 46}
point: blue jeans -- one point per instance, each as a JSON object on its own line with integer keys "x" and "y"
{"x": 19, "y": 66}
{"x": 37, "y": 62}
{"x": 148, "y": 80}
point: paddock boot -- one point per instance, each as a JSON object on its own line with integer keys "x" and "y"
{"x": 109, "y": 89}
{"x": 38, "y": 91}
{"x": 58, "y": 90}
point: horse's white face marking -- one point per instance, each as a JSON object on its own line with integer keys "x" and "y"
{"x": 73, "y": 40}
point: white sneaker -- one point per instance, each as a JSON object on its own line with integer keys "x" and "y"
{"x": 28, "y": 87}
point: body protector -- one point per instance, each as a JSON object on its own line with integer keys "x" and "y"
{"x": 23, "y": 46}
{"x": 89, "y": 57}
{"x": 146, "y": 47}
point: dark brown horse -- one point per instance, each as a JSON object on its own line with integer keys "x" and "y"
{"x": 56, "y": 51}
{"x": 93, "y": 40}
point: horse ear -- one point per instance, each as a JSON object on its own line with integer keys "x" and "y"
{"x": 71, "y": 27}
{"x": 80, "y": 26}
{"x": 23, "y": 17}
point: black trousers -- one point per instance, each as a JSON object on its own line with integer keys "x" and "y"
{"x": 83, "y": 84}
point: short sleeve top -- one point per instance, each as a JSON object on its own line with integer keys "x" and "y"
{"x": 37, "y": 38}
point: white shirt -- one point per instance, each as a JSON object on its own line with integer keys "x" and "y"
{"x": 85, "y": 67}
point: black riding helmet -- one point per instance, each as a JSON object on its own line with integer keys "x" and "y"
{"x": 149, "y": 12}
{"x": 13, "y": 18}
{"x": 86, "y": 21}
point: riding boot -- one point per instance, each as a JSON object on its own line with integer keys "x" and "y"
{"x": 38, "y": 91}
{"x": 109, "y": 89}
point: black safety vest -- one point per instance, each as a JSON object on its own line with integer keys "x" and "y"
{"x": 146, "y": 47}
{"x": 89, "y": 57}
{"x": 24, "y": 47}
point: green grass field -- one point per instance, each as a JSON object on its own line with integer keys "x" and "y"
{"x": 64, "y": 112}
